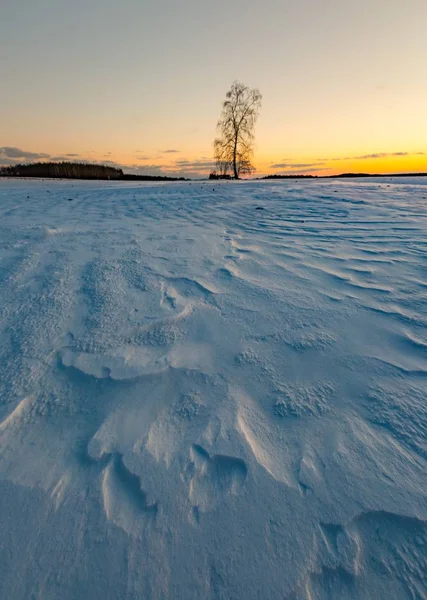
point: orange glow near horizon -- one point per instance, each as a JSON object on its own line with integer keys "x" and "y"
{"x": 169, "y": 162}
{"x": 410, "y": 163}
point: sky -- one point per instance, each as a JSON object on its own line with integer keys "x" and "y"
{"x": 139, "y": 83}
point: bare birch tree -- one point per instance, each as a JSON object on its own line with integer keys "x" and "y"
{"x": 233, "y": 149}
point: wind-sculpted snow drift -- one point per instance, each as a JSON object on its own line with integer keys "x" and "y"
{"x": 199, "y": 399}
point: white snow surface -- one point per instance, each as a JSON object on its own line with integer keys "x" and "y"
{"x": 213, "y": 390}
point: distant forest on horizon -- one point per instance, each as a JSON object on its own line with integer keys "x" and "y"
{"x": 77, "y": 170}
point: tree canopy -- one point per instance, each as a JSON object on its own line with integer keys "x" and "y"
{"x": 233, "y": 149}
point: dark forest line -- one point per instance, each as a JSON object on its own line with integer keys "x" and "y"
{"x": 76, "y": 170}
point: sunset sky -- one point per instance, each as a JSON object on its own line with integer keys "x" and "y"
{"x": 140, "y": 83}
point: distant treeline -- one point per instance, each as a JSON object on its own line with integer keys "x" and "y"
{"x": 289, "y": 177}
{"x": 66, "y": 170}
{"x": 76, "y": 170}
{"x": 129, "y": 177}
{"x": 378, "y": 175}
{"x": 344, "y": 175}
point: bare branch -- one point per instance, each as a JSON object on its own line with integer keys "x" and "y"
{"x": 233, "y": 150}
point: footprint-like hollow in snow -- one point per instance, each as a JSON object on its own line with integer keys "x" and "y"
{"x": 213, "y": 478}
{"x": 125, "y": 503}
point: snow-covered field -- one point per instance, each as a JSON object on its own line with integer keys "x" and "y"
{"x": 213, "y": 390}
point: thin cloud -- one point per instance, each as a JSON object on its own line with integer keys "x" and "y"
{"x": 295, "y": 165}
{"x": 170, "y": 151}
{"x": 148, "y": 157}
{"x": 151, "y": 169}
{"x": 64, "y": 158}
{"x": 374, "y": 156}
{"x": 383, "y": 155}
{"x": 302, "y": 171}
{"x": 195, "y": 164}
{"x": 181, "y": 168}
{"x": 17, "y": 154}
{"x": 370, "y": 156}
{"x": 6, "y": 162}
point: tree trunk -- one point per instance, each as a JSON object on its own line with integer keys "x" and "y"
{"x": 236, "y": 175}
